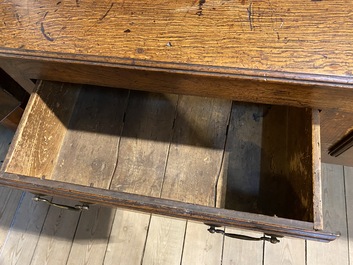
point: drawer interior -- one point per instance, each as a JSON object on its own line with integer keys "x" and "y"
{"x": 246, "y": 157}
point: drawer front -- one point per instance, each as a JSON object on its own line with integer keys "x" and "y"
{"x": 215, "y": 161}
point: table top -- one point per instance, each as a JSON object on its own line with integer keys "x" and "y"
{"x": 302, "y": 40}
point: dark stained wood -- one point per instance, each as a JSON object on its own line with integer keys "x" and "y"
{"x": 335, "y": 125}
{"x": 270, "y": 164}
{"x": 286, "y": 186}
{"x": 89, "y": 150}
{"x": 143, "y": 150}
{"x": 262, "y": 89}
{"x": 266, "y": 224}
{"x": 196, "y": 152}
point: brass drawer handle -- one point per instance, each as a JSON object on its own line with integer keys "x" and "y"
{"x": 62, "y": 206}
{"x": 271, "y": 239}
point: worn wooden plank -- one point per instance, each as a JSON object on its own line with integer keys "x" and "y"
{"x": 56, "y": 237}
{"x": 91, "y": 237}
{"x": 237, "y": 251}
{"x": 242, "y": 163}
{"x": 348, "y": 176}
{"x": 90, "y": 148}
{"x": 288, "y": 251}
{"x": 24, "y": 233}
{"x": 41, "y": 131}
{"x": 164, "y": 243}
{"x": 143, "y": 150}
{"x": 200, "y": 246}
{"x": 334, "y": 220}
{"x": 199, "y": 132}
{"x": 127, "y": 238}
{"x": 10, "y": 199}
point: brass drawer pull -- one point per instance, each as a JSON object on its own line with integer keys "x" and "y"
{"x": 62, "y": 206}
{"x": 271, "y": 239}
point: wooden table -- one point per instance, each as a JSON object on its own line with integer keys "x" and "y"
{"x": 272, "y": 52}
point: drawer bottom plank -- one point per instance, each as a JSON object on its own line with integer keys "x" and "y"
{"x": 90, "y": 147}
{"x": 144, "y": 145}
{"x": 196, "y": 151}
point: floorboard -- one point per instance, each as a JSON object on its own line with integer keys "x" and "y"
{"x": 290, "y": 252}
{"x": 334, "y": 209}
{"x": 200, "y": 246}
{"x": 240, "y": 251}
{"x": 164, "y": 243}
{"x": 127, "y": 239}
{"x": 9, "y": 198}
{"x": 24, "y": 233}
{"x": 56, "y": 237}
{"x": 348, "y": 174}
{"x": 91, "y": 238}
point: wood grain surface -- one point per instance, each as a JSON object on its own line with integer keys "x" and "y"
{"x": 145, "y": 141}
{"x": 59, "y": 226}
{"x": 25, "y": 232}
{"x": 10, "y": 198}
{"x": 247, "y": 252}
{"x": 91, "y": 236}
{"x": 290, "y": 252}
{"x": 165, "y": 241}
{"x": 201, "y": 247}
{"x": 335, "y": 219}
{"x": 195, "y": 136}
{"x": 239, "y": 36}
{"x": 127, "y": 238}
{"x": 36, "y": 153}
{"x": 88, "y": 153}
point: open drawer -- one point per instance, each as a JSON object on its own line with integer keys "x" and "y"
{"x": 219, "y": 162}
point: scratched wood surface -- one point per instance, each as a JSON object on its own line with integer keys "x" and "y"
{"x": 264, "y": 34}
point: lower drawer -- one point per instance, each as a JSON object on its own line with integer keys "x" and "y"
{"x": 219, "y": 162}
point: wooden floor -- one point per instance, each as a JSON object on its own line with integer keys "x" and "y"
{"x": 34, "y": 233}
